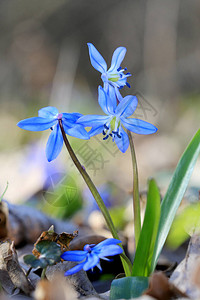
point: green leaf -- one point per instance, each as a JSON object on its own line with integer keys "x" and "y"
{"x": 175, "y": 193}
{"x": 50, "y": 253}
{"x": 34, "y": 262}
{"x": 128, "y": 287}
{"x": 145, "y": 248}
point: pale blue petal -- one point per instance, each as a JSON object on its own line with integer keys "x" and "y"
{"x": 54, "y": 143}
{"x": 36, "y": 124}
{"x": 117, "y": 58}
{"x": 112, "y": 95}
{"x": 123, "y": 142}
{"x": 77, "y": 255}
{"x": 77, "y": 131}
{"x": 75, "y": 269}
{"x": 118, "y": 94}
{"x": 127, "y": 106}
{"x": 96, "y": 59}
{"x": 96, "y": 130}
{"x": 106, "y": 101}
{"x": 110, "y": 250}
{"x": 93, "y": 120}
{"x": 91, "y": 262}
{"x": 138, "y": 126}
{"x": 107, "y": 242}
{"x": 72, "y": 117}
{"x": 48, "y": 112}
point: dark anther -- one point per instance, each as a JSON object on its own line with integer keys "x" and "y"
{"x": 51, "y": 128}
{"x": 119, "y": 69}
{"x": 119, "y": 136}
{"x": 106, "y": 127}
{"x": 128, "y": 85}
{"x": 104, "y": 133}
{"x": 106, "y": 137}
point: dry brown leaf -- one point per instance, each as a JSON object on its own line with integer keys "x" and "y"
{"x": 62, "y": 239}
{"x": 160, "y": 288}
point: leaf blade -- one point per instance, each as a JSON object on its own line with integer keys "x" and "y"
{"x": 175, "y": 193}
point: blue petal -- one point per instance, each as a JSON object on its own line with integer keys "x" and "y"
{"x": 110, "y": 250}
{"x": 118, "y": 94}
{"x": 138, "y": 126}
{"x": 54, "y": 143}
{"x": 74, "y": 270}
{"x": 93, "y": 120}
{"x": 123, "y": 142}
{"x": 117, "y": 58}
{"x": 107, "y": 242}
{"x": 96, "y": 130}
{"x": 77, "y": 131}
{"x": 72, "y": 117}
{"x": 127, "y": 106}
{"x": 48, "y": 112}
{"x": 36, "y": 124}
{"x": 96, "y": 59}
{"x": 91, "y": 262}
{"x": 77, "y": 255}
{"x": 107, "y": 102}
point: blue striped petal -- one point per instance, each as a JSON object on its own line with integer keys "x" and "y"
{"x": 75, "y": 269}
{"x": 138, "y": 126}
{"x": 72, "y": 117}
{"x": 93, "y": 120}
{"x": 54, "y": 143}
{"x": 76, "y": 255}
{"x": 96, "y": 130}
{"x": 123, "y": 142}
{"x": 107, "y": 102}
{"x": 91, "y": 262}
{"x": 107, "y": 242}
{"x": 48, "y": 112}
{"x": 37, "y": 124}
{"x": 110, "y": 250}
{"x": 117, "y": 58}
{"x": 96, "y": 59}
{"x": 77, "y": 131}
{"x": 127, "y": 106}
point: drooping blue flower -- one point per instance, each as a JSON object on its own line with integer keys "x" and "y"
{"x": 91, "y": 254}
{"x": 114, "y": 78}
{"x": 48, "y": 118}
{"x": 116, "y": 117}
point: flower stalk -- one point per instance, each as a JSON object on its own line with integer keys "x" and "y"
{"x": 136, "y": 197}
{"x": 125, "y": 261}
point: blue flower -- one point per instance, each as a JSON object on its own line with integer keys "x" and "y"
{"x": 48, "y": 118}
{"x": 114, "y": 78}
{"x": 116, "y": 116}
{"x": 90, "y": 256}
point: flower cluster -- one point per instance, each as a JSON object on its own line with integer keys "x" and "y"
{"x": 116, "y": 108}
{"x": 90, "y": 256}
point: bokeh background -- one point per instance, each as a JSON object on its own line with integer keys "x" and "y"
{"x": 44, "y": 61}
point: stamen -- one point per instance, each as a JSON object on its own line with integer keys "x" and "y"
{"x": 106, "y": 137}
{"x": 120, "y": 87}
{"x": 128, "y": 73}
{"x": 119, "y": 136}
{"x": 106, "y": 127}
{"x": 125, "y": 69}
{"x": 119, "y": 69}
{"x": 51, "y": 128}
{"x": 104, "y": 133}
{"x": 128, "y": 85}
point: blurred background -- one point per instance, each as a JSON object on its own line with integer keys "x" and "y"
{"x": 44, "y": 61}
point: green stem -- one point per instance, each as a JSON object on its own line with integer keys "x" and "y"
{"x": 43, "y": 275}
{"x": 97, "y": 197}
{"x": 136, "y": 198}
